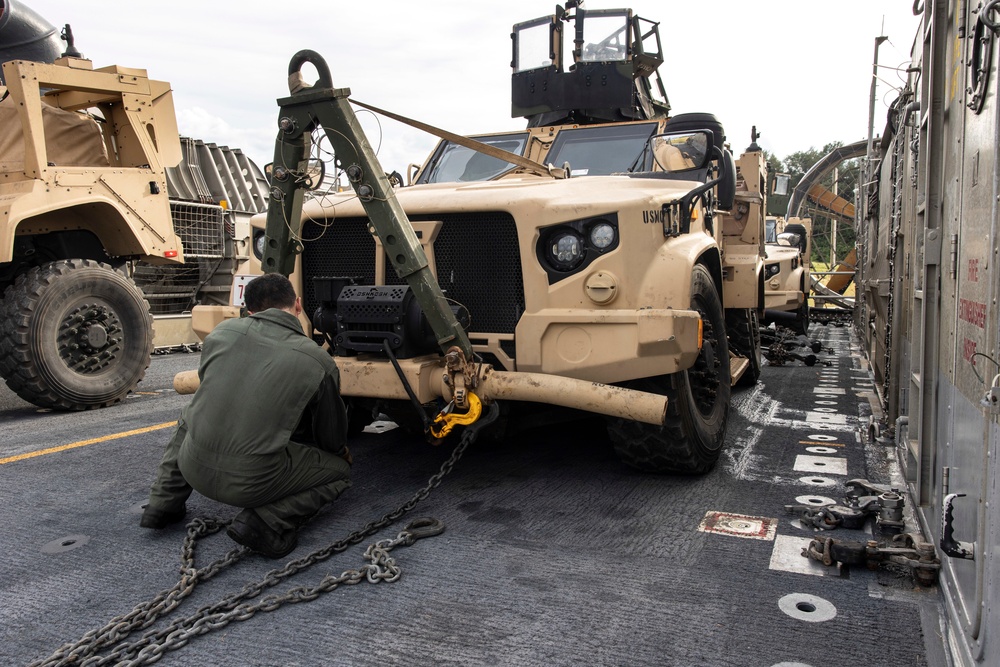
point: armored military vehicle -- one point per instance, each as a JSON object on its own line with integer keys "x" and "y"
{"x": 626, "y": 281}
{"x": 98, "y": 196}
{"x": 786, "y": 272}
{"x": 82, "y": 191}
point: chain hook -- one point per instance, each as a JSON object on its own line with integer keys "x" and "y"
{"x": 446, "y": 420}
{"x": 421, "y": 528}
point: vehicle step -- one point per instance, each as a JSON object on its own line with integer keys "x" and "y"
{"x": 737, "y": 366}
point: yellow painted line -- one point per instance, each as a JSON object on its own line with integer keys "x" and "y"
{"x": 824, "y": 444}
{"x": 84, "y": 443}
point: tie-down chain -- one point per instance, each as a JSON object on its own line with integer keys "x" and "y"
{"x": 233, "y": 607}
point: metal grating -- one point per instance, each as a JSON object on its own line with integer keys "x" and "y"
{"x": 171, "y": 289}
{"x": 201, "y": 228}
{"x": 478, "y": 263}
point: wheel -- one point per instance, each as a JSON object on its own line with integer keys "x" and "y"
{"x": 743, "y": 330}
{"x": 75, "y": 335}
{"x": 697, "y": 400}
{"x": 405, "y": 416}
{"x": 359, "y": 416}
{"x": 802, "y": 318}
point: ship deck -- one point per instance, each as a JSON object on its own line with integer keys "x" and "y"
{"x": 554, "y": 553}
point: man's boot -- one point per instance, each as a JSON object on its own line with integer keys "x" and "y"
{"x": 250, "y": 530}
{"x": 158, "y": 519}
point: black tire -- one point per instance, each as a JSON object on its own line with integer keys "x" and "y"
{"x": 405, "y": 416}
{"x": 743, "y": 329}
{"x": 359, "y": 416}
{"x": 75, "y": 335}
{"x": 802, "y": 318}
{"x": 698, "y": 401}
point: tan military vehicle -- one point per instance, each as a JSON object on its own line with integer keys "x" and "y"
{"x": 83, "y": 154}
{"x": 787, "y": 272}
{"x": 609, "y": 261}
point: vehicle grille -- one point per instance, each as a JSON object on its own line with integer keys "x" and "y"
{"x": 478, "y": 263}
{"x": 200, "y": 227}
{"x": 172, "y": 289}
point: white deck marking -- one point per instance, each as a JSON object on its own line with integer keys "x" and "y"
{"x": 807, "y": 607}
{"x": 814, "y": 417}
{"x": 822, "y": 450}
{"x": 818, "y": 501}
{"x": 832, "y": 391}
{"x": 829, "y": 465}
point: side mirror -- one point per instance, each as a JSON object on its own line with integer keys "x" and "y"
{"x": 313, "y": 176}
{"x": 683, "y": 151}
{"x": 792, "y": 239}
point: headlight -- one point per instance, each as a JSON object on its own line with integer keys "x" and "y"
{"x": 565, "y": 250}
{"x": 602, "y": 235}
{"x": 771, "y": 270}
{"x": 258, "y": 244}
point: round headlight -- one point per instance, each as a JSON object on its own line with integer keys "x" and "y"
{"x": 565, "y": 250}
{"x": 602, "y": 235}
{"x": 258, "y": 244}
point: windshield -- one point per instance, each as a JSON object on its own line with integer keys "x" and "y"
{"x": 599, "y": 151}
{"x": 452, "y": 162}
{"x": 605, "y": 38}
{"x": 770, "y": 231}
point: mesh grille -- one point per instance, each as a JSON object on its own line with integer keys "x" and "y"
{"x": 478, "y": 263}
{"x": 200, "y": 227}
{"x": 343, "y": 249}
{"x": 171, "y": 289}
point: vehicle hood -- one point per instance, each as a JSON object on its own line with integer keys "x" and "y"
{"x": 560, "y": 198}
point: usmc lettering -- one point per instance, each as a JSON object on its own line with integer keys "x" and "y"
{"x": 653, "y": 217}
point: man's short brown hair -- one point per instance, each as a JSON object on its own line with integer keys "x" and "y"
{"x": 272, "y": 290}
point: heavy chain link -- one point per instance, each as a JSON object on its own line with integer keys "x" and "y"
{"x": 154, "y": 643}
{"x": 145, "y": 614}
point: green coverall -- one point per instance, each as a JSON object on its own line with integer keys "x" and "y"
{"x": 266, "y": 428}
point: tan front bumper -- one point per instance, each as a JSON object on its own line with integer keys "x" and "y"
{"x": 790, "y": 300}
{"x": 577, "y": 348}
{"x": 376, "y": 378}
{"x": 608, "y": 345}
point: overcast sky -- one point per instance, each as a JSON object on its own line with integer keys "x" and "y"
{"x": 799, "y": 70}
